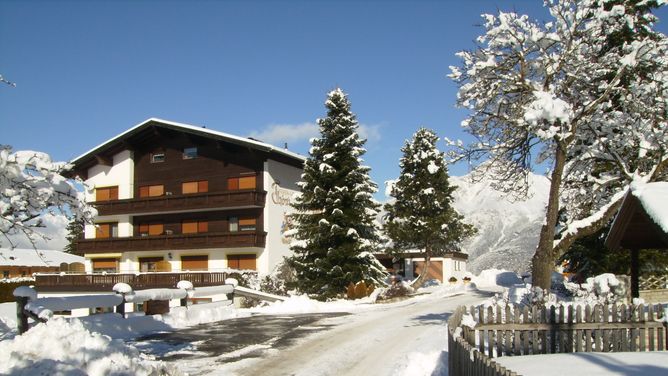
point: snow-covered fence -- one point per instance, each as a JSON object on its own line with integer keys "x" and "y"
{"x": 521, "y": 330}
{"x": 463, "y": 357}
{"x": 42, "y": 309}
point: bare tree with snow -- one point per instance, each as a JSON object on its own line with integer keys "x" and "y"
{"x": 586, "y": 92}
{"x": 31, "y": 186}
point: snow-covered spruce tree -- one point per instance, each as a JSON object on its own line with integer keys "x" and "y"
{"x": 335, "y": 231}
{"x": 31, "y": 185}
{"x": 586, "y": 92}
{"x": 421, "y": 216}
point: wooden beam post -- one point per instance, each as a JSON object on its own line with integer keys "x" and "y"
{"x": 22, "y": 317}
{"x": 635, "y": 270}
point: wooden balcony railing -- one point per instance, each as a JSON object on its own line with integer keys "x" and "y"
{"x": 105, "y": 282}
{"x": 171, "y": 242}
{"x": 167, "y": 203}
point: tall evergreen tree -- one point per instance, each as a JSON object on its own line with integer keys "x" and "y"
{"x": 335, "y": 231}
{"x": 422, "y": 217}
{"x": 75, "y": 231}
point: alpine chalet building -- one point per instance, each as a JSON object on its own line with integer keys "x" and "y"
{"x": 175, "y": 197}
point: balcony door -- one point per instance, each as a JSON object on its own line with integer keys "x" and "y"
{"x": 149, "y": 264}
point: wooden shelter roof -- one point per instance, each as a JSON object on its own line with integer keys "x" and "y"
{"x": 638, "y": 224}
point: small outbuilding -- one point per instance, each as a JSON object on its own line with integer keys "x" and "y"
{"x": 23, "y": 262}
{"x": 641, "y": 223}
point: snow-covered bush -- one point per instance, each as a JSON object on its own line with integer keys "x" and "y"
{"x": 277, "y": 282}
{"x": 604, "y": 288}
{"x": 395, "y": 290}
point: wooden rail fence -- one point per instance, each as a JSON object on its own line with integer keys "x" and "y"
{"x": 514, "y": 330}
{"x": 105, "y": 282}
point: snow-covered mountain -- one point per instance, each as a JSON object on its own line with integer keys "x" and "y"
{"x": 507, "y": 231}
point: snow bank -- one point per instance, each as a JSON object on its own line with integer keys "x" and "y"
{"x": 496, "y": 277}
{"x": 302, "y": 304}
{"x": 67, "y": 348}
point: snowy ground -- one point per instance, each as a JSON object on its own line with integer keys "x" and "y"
{"x": 653, "y": 363}
{"x": 406, "y": 337}
{"x": 402, "y": 338}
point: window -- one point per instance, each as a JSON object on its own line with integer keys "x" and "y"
{"x": 149, "y": 264}
{"x": 195, "y": 187}
{"x": 106, "y": 193}
{"x": 189, "y": 153}
{"x": 150, "y": 229}
{"x": 106, "y": 230}
{"x": 151, "y": 190}
{"x": 243, "y": 262}
{"x": 194, "y": 227}
{"x": 158, "y": 157}
{"x": 243, "y": 224}
{"x": 109, "y": 265}
{"x": 194, "y": 262}
{"x": 234, "y": 224}
{"x": 245, "y": 182}
{"x": 247, "y": 224}
{"x": 5, "y": 274}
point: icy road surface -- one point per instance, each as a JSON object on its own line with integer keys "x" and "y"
{"x": 406, "y": 338}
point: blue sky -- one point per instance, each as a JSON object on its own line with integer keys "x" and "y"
{"x": 88, "y": 70}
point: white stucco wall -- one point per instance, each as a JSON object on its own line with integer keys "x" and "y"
{"x": 120, "y": 174}
{"x": 125, "y": 228}
{"x": 448, "y": 267}
{"x": 280, "y": 182}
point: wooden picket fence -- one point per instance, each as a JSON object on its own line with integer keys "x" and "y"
{"x": 463, "y": 358}
{"x": 515, "y": 330}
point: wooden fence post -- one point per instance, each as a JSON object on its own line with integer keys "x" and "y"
{"x": 22, "y": 317}
{"x": 120, "y": 309}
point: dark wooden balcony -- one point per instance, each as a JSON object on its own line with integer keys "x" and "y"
{"x": 105, "y": 282}
{"x": 172, "y": 242}
{"x": 175, "y": 203}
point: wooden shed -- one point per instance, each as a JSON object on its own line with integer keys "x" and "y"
{"x": 641, "y": 223}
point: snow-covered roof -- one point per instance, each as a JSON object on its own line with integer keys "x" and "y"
{"x": 36, "y": 257}
{"x": 191, "y": 129}
{"x": 642, "y": 220}
{"x": 654, "y": 199}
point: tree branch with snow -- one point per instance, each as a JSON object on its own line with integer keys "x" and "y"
{"x": 32, "y": 186}
{"x": 586, "y": 92}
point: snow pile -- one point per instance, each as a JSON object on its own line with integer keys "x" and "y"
{"x": 67, "y": 348}
{"x": 303, "y": 304}
{"x": 181, "y": 317}
{"x": 496, "y": 277}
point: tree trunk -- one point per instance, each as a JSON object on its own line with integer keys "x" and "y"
{"x": 419, "y": 281}
{"x": 542, "y": 263}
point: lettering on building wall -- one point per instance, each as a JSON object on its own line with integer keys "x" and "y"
{"x": 281, "y": 196}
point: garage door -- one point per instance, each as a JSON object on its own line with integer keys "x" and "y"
{"x": 435, "y": 269}
{"x": 194, "y": 262}
{"x": 241, "y": 261}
